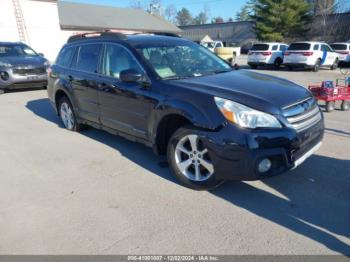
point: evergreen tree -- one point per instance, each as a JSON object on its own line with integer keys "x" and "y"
{"x": 184, "y": 17}
{"x": 278, "y": 19}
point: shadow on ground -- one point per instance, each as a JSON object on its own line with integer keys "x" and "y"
{"x": 315, "y": 200}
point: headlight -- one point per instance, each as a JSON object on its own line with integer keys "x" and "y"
{"x": 244, "y": 116}
{"x": 4, "y": 64}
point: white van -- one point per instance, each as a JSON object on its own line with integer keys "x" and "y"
{"x": 265, "y": 54}
{"x": 311, "y": 55}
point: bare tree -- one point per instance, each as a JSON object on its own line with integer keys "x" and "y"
{"x": 170, "y": 13}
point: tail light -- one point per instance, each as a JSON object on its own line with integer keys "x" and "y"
{"x": 345, "y": 53}
{"x": 266, "y": 53}
{"x": 308, "y": 53}
{"x": 287, "y": 53}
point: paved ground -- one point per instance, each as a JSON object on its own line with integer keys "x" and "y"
{"x": 94, "y": 193}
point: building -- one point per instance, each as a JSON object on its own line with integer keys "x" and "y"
{"x": 237, "y": 33}
{"x": 34, "y": 22}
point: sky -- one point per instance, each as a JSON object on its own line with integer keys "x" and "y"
{"x": 223, "y": 8}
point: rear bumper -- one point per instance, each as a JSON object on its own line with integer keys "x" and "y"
{"x": 236, "y": 154}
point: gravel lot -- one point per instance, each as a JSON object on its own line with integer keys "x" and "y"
{"x": 94, "y": 193}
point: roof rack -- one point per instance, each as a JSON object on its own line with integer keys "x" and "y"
{"x": 106, "y": 34}
{"x": 167, "y": 34}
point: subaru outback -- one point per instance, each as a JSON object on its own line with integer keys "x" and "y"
{"x": 175, "y": 96}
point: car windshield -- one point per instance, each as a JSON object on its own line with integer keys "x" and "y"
{"x": 299, "y": 46}
{"x": 260, "y": 47}
{"x": 183, "y": 61}
{"x": 341, "y": 47}
{"x": 16, "y": 50}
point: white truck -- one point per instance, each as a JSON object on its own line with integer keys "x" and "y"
{"x": 225, "y": 52}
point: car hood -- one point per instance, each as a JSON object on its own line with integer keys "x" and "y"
{"x": 259, "y": 91}
{"x": 24, "y": 60}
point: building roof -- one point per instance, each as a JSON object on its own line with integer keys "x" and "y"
{"x": 233, "y": 32}
{"x": 85, "y": 17}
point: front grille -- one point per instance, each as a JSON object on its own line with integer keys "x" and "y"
{"x": 29, "y": 71}
{"x": 303, "y": 115}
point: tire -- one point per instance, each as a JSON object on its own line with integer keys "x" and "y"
{"x": 330, "y": 106}
{"x": 345, "y": 105}
{"x": 67, "y": 115}
{"x": 335, "y": 64}
{"x": 189, "y": 160}
{"x": 277, "y": 64}
{"x": 317, "y": 66}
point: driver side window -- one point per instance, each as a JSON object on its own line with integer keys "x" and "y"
{"x": 117, "y": 59}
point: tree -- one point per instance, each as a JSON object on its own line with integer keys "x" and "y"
{"x": 184, "y": 17}
{"x": 217, "y": 20}
{"x": 201, "y": 18}
{"x": 170, "y": 13}
{"x": 279, "y": 19}
{"x": 246, "y": 11}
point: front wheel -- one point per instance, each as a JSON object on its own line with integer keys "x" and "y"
{"x": 335, "y": 64}
{"x": 190, "y": 161}
{"x": 345, "y": 105}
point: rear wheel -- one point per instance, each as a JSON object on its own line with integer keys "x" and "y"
{"x": 277, "y": 64}
{"x": 67, "y": 115}
{"x": 330, "y": 106}
{"x": 345, "y": 105}
{"x": 190, "y": 160}
{"x": 317, "y": 66}
{"x": 335, "y": 64}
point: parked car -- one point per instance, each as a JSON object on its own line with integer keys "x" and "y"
{"x": 267, "y": 54}
{"x": 21, "y": 67}
{"x": 343, "y": 49}
{"x": 311, "y": 55}
{"x": 213, "y": 123}
{"x": 228, "y": 53}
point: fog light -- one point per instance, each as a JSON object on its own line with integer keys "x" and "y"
{"x": 4, "y": 76}
{"x": 264, "y": 165}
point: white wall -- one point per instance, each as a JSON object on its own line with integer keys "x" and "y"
{"x": 41, "y": 20}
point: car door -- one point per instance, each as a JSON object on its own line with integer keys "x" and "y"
{"x": 124, "y": 106}
{"x": 83, "y": 80}
{"x": 328, "y": 56}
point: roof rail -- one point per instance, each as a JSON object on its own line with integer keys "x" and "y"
{"x": 106, "y": 34}
{"x": 166, "y": 34}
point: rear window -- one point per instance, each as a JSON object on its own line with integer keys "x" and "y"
{"x": 88, "y": 58}
{"x": 260, "y": 47}
{"x": 299, "y": 46}
{"x": 339, "y": 47}
{"x": 65, "y": 57}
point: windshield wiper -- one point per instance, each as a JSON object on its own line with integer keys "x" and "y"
{"x": 175, "y": 77}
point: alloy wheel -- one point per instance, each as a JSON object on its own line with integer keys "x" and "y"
{"x": 67, "y": 116}
{"x": 192, "y": 159}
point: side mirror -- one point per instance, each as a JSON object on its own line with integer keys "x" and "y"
{"x": 131, "y": 76}
{"x": 41, "y": 54}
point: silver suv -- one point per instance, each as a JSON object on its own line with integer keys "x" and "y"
{"x": 21, "y": 67}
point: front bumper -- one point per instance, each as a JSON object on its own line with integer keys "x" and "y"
{"x": 235, "y": 153}
{"x": 16, "y": 81}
